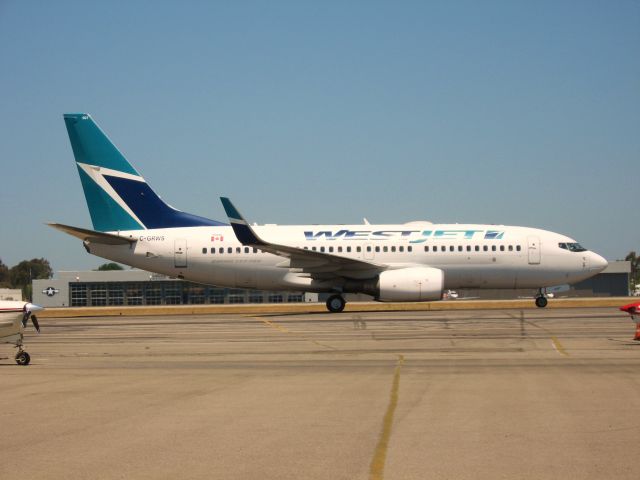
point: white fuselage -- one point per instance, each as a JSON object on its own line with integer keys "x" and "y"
{"x": 11, "y": 314}
{"x": 471, "y": 256}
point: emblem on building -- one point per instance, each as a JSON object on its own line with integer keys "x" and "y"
{"x": 50, "y": 291}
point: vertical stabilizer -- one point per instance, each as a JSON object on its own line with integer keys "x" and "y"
{"x": 117, "y": 195}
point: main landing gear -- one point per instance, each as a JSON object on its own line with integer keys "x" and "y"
{"x": 541, "y": 299}
{"x": 335, "y": 303}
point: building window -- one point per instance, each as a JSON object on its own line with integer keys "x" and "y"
{"x": 295, "y": 298}
{"x": 255, "y": 297}
{"x": 78, "y": 294}
{"x": 275, "y": 298}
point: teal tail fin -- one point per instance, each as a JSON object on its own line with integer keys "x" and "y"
{"x": 117, "y": 196}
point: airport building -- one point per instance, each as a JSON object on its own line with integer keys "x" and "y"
{"x": 137, "y": 287}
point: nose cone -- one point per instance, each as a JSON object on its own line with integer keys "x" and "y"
{"x": 32, "y": 307}
{"x": 597, "y": 262}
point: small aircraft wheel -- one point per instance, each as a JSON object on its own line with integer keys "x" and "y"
{"x": 335, "y": 303}
{"x": 541, "y": 302}
{"x": 23, "y": 358}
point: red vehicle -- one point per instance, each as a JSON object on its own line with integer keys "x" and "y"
{"x": 633, "y": 309}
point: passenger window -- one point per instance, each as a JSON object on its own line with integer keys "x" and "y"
{"x": 358, "y": 249}
{"x": 493, "y": 248}
{"x": 477, "y": 248}
{"x": 401, "y": 249}
{"x": 459, "y": 248}
{"x": 221, "y": 250}
{"x": 322, "y": 249}
{"x": 485, "y": 248}
{"x": 348, "y": 249}
{"x": 385, "y": 249}
{"x": 255, "y": 250}
{"x": 511, "y": 248}
{"x": 502, "y": 248}
{"x": 452, "y": 248}
{"x": 468, "y": 248}
{"x": 368, "y": 248}
{"x": 246, "y": 249}
{"x": 331, "y": 249}
{"x": 378, "y": 249}
{"x": 426, "y": 248}
{"x": 393, "y": 249}
{"x": 238, "y": 250}
{"x": 229, "y": 250}
{"x": 204, "y": 250}
{"x": 518, "y": 248}
{"x": 213, "y": 250}
{"x": 339, "y": 249}
{"x": 409, "y": 248}
{"x": 313, "y": 248}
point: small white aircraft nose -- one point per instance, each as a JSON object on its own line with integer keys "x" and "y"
{"x": 598, "y": 263}
{"x": 32, "y": 307}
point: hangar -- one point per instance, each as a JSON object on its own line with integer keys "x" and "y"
{"x": 138, "y": 287}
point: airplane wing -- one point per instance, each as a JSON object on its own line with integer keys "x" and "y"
{"x": 317, "y": 264}
{"x": 93, "y": 236}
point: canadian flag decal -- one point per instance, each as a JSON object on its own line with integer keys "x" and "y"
{"x": 216, "y": 238}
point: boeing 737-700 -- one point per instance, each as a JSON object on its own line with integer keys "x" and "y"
{"x": 409, "y": 262}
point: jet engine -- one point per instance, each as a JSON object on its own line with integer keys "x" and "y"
{"x": 411, "y": 284}
{"x": 414, "y": 284}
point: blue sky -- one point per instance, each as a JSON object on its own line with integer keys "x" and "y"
{"x": 505, "y": 112}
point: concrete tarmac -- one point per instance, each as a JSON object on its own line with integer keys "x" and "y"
{"x": 395, "y": 395}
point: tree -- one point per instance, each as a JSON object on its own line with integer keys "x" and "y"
{"x": 21, "y": 275}
{"x": 110, "y": 266}
{"x": 4, "y": 275}
{"x": 27, "y": 270}
{"x": 635, "y": 267}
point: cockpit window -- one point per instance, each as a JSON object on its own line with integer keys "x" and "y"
{"x": 572, "y": 247}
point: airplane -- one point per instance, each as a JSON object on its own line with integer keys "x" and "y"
{"x": 13, "y": 320}
{"x": 410, "y": 262}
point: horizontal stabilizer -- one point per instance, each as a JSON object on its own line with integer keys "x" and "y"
{"x": 93, "y": 236}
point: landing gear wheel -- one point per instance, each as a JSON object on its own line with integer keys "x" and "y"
{"x": 23, "y": 358}
{"x": 335, "y": 303}
{"x": 541, "y": 302}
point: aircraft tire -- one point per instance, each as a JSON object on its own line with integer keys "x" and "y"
{"x": 23, "y": 358}
{"x": 541, "y": 302}
{"x": 335, "y": 303}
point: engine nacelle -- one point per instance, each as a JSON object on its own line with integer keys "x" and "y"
{"x": 412, "y": 284}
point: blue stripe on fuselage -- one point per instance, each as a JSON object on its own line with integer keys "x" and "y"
{"x": 150, "y": 208}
